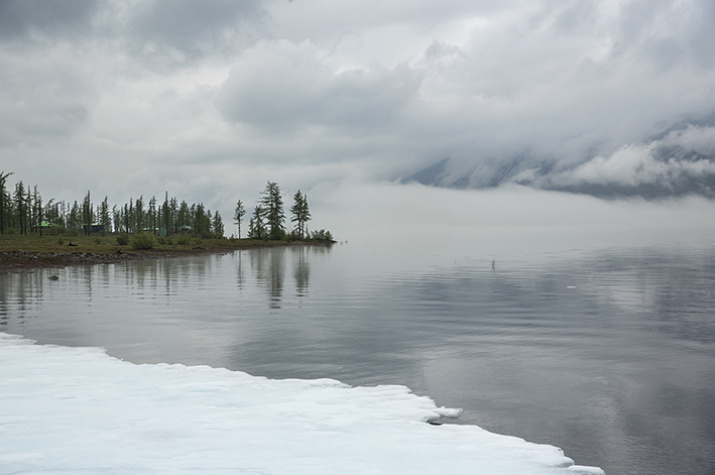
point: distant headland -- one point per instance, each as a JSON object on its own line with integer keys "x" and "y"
{"x": 36, "y": 233}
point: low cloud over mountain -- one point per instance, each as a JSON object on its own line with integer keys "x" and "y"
{"x": 679, "y": 162}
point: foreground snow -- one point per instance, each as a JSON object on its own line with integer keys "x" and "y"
{"x": 77, "y": 410}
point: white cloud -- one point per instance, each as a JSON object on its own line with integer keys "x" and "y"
{"x": 698, "y": 139}
{"x": 628, "y": 166}
{"x": 633, "y": 166}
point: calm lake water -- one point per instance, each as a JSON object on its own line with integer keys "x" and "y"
{"x": 606, "y": 352}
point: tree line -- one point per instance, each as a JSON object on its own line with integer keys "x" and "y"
{"x": 23, "y": 211}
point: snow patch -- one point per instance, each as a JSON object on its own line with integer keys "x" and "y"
{"x": 72, "y": 410}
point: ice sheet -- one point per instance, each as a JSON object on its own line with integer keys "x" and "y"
{"x": 78, "y": 410}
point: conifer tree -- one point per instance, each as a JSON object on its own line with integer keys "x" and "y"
{"x": 29, "y": 208}
{"x": 4, "y": 201}
{"x": 127, "y": 216}
{"x": 20, "y": 207}
{"x": 51, "y": 212}
{"x": 256, "y": 227}
{"x": 166, "y": 213}
{"x": 37, "y": 210}
{"x": 173, "y": 214}
{"x": 201, "y": 221}
{"x": 104, "y": 216}
{"x": 87, "y": 214}
{"x": 151, "y": 215}
{"x": 238, "y": 216}
{"x": 139, "y": 214}
{"x": 300, "y": 214}
{"x": 272, "y": 204}
{"x": 183, "y": 216}
{"x": 116, "y": 217}
{"x": 217, "y": 225}
{"x": 73, "y": 220}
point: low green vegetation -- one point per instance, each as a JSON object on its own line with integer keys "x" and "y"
{"x": 36, "y": 244}
{"x": 143, "y": 241}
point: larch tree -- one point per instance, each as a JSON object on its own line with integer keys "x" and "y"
{"x": 173, "y": 214}
{"x": 238, "y": 215}
{"x": 256, "y": 226}
{"x": 73, "y": 220}
{"x": 166, "y": 214}
{"x": 272, "y": 203}
{"x": 87, "y": 217}
{"x": 127, "y": 215}
{"x": 4, "y": 201}
{"x": 152, "y": 215}
{"x": 20, "y": 207}
{"x": 104, "y": 216}
{"x": 183, "y": 216}
{"x": 300, "y": 214}
{"x": 116, "y": 217}
{"x": 139, "y": 214}
{"x": 217, "y": 225}
{"x": 37, "y": 214}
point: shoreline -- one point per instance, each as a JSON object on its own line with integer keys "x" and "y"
{"x": 13, "y": 261}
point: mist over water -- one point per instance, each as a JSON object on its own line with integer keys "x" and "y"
{"x": 593, "y": 332}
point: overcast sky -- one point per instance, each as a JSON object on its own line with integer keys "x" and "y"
{"x": 210, "y": 99}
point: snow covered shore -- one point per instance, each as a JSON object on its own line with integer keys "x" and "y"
{"x": 78, "y": 410}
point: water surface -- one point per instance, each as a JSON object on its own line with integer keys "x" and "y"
{"x": 606, "y": 352}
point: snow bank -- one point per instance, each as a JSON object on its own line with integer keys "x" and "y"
{"x": 72, "y": 410}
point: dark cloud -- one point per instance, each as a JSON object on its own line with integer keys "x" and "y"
{"x": 192, "y": 28}
{"x": 19, "y": 18}
{"x": 162, "y": 32}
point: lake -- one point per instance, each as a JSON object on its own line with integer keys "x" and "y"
{"x": 603, "y": 347}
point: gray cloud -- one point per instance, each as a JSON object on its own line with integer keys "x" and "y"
{"x": 187, "y": 28}
{"x": 22, "y": 18}
{"x": 680, "y": 163}
{"x": 570, "y": 95}
{"x": 160, "y": 31}
{"x": 279, "y": 85}
{"x": 42, "y": 100}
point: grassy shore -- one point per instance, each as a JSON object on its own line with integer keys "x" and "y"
{"x": 23, "y": 252}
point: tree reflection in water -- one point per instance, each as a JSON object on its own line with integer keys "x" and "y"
{"x": 268, "y": 266}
